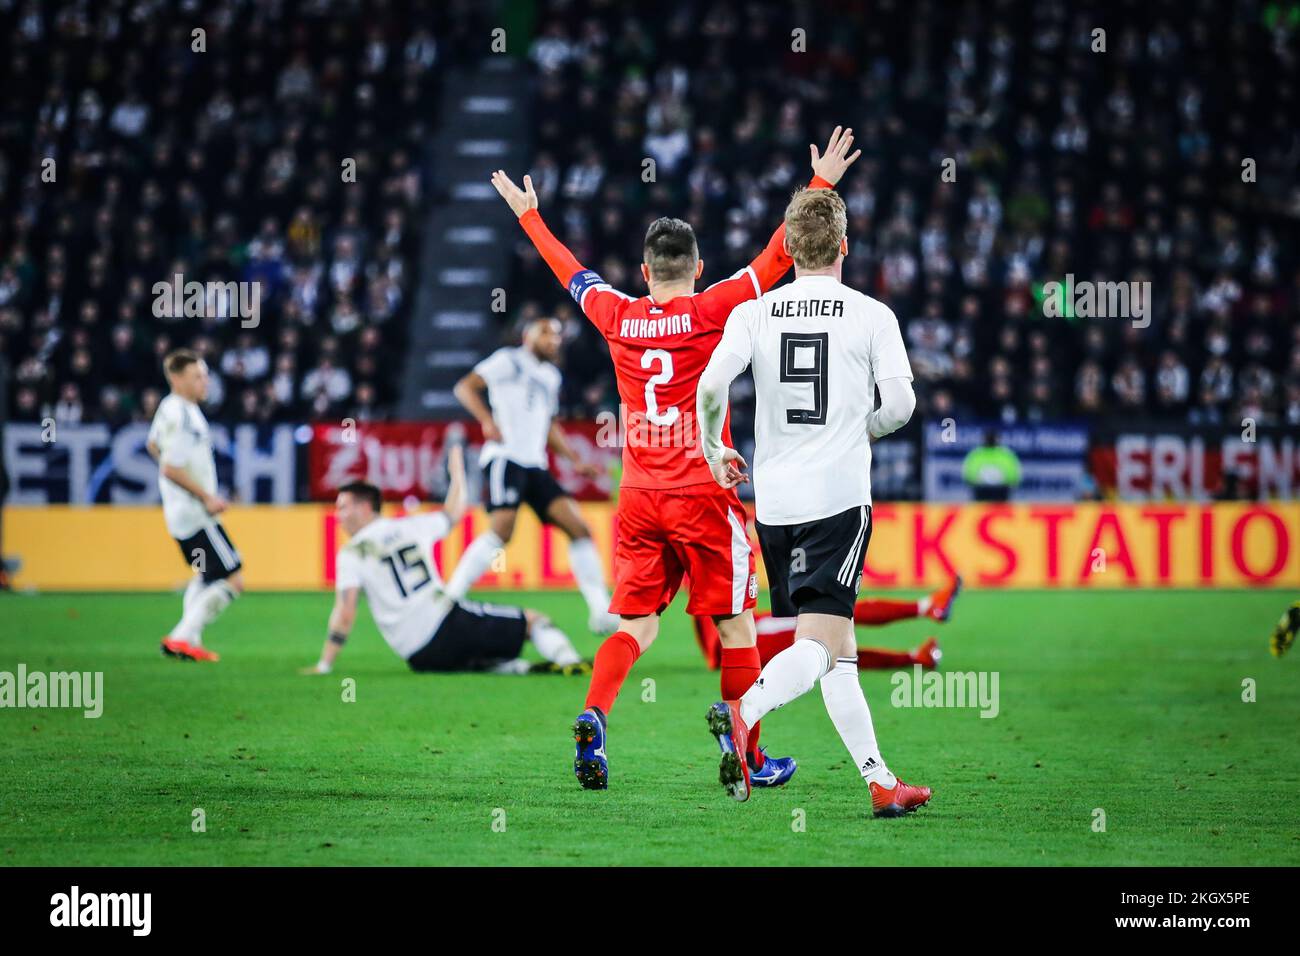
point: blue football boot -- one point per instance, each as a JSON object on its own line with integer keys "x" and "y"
{"x": 775, "y": 772}
{"x": 589, "y": 763}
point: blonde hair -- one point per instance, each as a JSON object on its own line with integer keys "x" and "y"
{"x": 815, "y": 223}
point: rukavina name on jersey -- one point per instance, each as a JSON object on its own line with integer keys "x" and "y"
{"x": 655, "y": 327}
{"x": 807, "y": 308}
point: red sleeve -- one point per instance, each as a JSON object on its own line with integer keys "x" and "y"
{"x": 716, "y": 302}
{"x": 598, "y": 300}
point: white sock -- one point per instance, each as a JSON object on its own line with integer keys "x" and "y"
{"x": 203, "y": 610}
{"x": 787, "y": 676}
{"x": 851, "y": 716}
{"x": 478, "y": 557}
{"x": 923, "y": 606}
{"x": 590, "y": 574}
{"x": 553, "y": 644}
{"x": 191, "y": 592}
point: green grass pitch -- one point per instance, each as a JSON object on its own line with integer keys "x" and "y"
{"x": 1130, "y": 703}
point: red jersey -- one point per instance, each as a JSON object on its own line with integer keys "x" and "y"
{"x": 659, "y": 351}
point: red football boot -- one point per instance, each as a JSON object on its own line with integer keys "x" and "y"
{"x": 903, "y": 798}
{"x": 928, "y": 655}
{"x": 175, "y": 647}
{"x": 733, "y": 738}
{"x": 941, "y": 601}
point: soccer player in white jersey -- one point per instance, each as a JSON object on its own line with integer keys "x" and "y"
{"x": 187, "y": 479}
{"x": 523, "y": 393}
{"x": 819, "y": 351}
{"x": 391, "y": 560}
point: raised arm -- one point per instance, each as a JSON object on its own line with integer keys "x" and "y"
{"x": 598, "y": 301}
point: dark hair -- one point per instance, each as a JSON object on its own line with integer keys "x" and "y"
{"x": 366, "y": 492}
{"x": 670, "y": 250}
{"x": 179, "y": 360}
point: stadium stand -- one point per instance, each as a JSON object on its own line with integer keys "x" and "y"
{"x": 224, "y": 165}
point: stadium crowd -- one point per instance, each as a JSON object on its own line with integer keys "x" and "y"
{"x": 225, "y": 165}
{"x": 1122, "y": 165}
{"x": 133, "y": 149}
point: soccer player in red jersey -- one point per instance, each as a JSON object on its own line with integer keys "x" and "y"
{"x": 674, "y": 519}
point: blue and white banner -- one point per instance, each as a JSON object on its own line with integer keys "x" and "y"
{"x": 95, "y": 462}
{"x": 1053, "y": 459}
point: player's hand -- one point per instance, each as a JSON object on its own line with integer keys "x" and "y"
{"x": 836, "y": 160}
{"x": 587, "y": 469}
{"x": 520, "y": 200}
{"x": 490, "y": 430}
{"x": 730, "y": 470}
{"x": 215, "y": 504}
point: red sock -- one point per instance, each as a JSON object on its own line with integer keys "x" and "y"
{"x": 876, "y": 611}
{"x": 706, "y": 635}
{"x": 613, "y": 661}
{"x": 877, "y": 659}
{"x": 769, "y": 645}
{"x": 740, "y": 668}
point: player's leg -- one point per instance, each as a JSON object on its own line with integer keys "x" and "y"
{"x": 504, "y": 482}
{"x": 646, "y": 577}
{"x": 218, "y": 566}
{"x": 775, "y": 634}
{"x": 474, "y": 636}
{"x": 706, "y": 635}
{"x": 584, "y": 558}
{"x": 876, "y": 612}
{"x": 552, "y": 643}
{"x": 708, "y": 533}
{"x": 883, "y": 659}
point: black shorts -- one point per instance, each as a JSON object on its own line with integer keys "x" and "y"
{"x": 473, "y": 637}
{"x": 816, "y": 567}
{"x": 509, "y": 485}
{"x": 211, "y": 553}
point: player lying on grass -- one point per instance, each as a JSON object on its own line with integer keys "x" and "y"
{"x": 775, "y": 634}
{"x": 391, "y": 560}
{"x": 187, "y": 480}
{"x": 673, "y": 520}
{"x": 818, "y": 350}
{"x": 523, "y": 391}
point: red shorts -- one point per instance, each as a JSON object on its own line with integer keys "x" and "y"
{"x": 697, "y": 531}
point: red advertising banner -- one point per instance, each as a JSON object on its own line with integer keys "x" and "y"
{"x": 1182, "y": 463}
{"x": 408, "y": 459}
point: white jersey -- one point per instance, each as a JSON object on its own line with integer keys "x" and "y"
{"x": 818, "y": 349}
{"x": 391, "y": 559}
{"x": 180, "y": 432}
{"x": 524, "y": 393}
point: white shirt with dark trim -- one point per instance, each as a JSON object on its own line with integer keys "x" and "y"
{"x": 180, "y": 432}
{"x": 391, "y": 560}
{"x": 818, "y": 349}
{"x": 524, "y": 393}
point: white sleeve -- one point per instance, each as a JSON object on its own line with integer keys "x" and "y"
{"x": 347, "y": 570}
{"x": 176, "y": 441}
{"x": 496, "y": 368}
{"x": 432, "y": 525}
{"x": 888, "y": 355}
{"x": 736, "y": 336}
{"x": 897, "y": 402}
{"x": 729, "y": 359}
